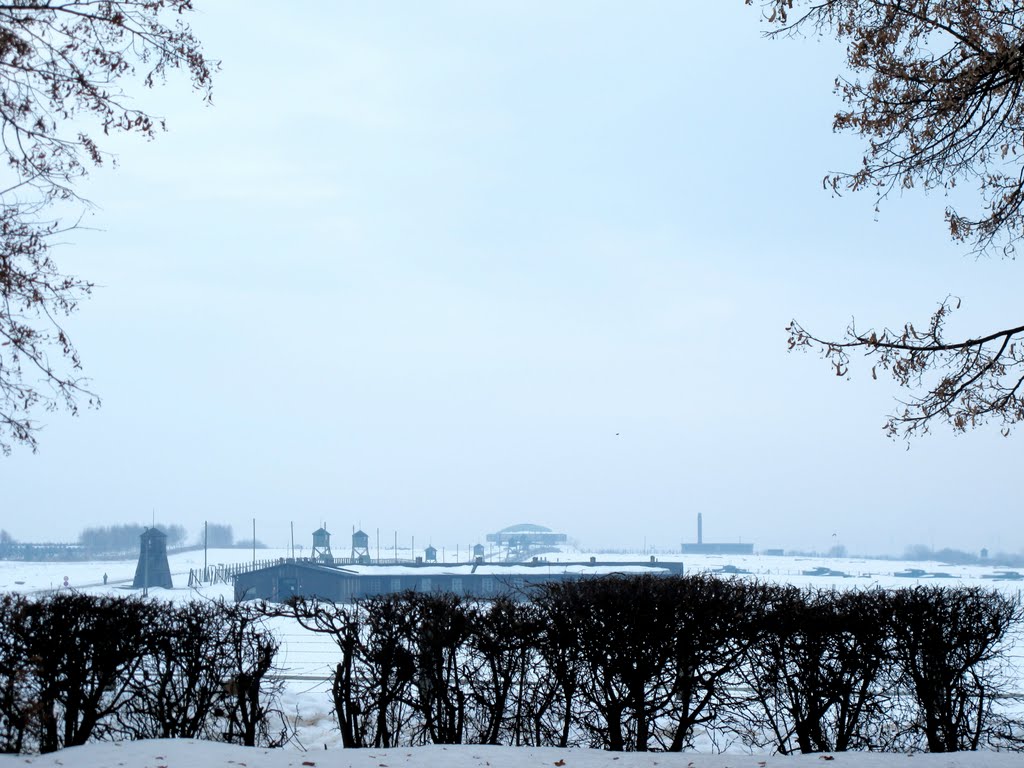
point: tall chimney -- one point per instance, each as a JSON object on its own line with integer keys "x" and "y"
{"x": 700, "y": 528}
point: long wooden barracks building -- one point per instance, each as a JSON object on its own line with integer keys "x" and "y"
{"x": 349, "y": 579}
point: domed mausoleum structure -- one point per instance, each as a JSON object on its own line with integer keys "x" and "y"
{"x": 524, "y": 539}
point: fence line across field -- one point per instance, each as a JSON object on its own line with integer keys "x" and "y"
{"x": 1018, "y": 696}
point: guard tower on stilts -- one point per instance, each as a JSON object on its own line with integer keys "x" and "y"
{"x": 360, "y": 547}
{"x": 322, "y": 547}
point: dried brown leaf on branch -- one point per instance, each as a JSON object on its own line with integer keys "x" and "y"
{"x": 936, "y": 89}
{"x": 964, "y": 383}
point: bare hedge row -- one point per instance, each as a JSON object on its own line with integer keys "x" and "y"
{"x": 623, "y": 663}
{"x": 75, "y": 668}
{"x": 646, "y": 662}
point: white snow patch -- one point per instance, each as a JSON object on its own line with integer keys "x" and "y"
{"x": 186, "y": 753}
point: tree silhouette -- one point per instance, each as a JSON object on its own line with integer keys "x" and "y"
{"x": 62, "y": 66}
{"x": 936, "y": 91}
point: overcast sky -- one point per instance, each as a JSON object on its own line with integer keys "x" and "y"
{"x": 438, "y": 268}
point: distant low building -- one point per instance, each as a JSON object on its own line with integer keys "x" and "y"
{"x": 700, "y": 547}
{"x": 306, "y": 578}
{"x": 712, "y": 548}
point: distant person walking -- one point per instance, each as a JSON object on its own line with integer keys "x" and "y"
{"x": 104, "y": 579}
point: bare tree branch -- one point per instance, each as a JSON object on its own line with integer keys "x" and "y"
{"x": 937, "y": 91}
{"x": 61, "y": 69}
{"x": 964, "y": 383}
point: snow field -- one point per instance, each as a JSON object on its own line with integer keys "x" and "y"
{"x": 184, "y": 753}
{"x": 306, "y": 661}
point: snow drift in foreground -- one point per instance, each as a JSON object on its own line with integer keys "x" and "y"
{"x": 186, "y": 753}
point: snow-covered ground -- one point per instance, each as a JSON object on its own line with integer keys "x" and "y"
{"x": 182, "y": 753}
{"x": 306, "y": 660}
{"x": 860, "y": 572}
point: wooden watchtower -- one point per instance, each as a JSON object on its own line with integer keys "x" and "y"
{"x": 322, "y": 547}
{"x": 360, "y": 547}
{"x": 153, "y": 569}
